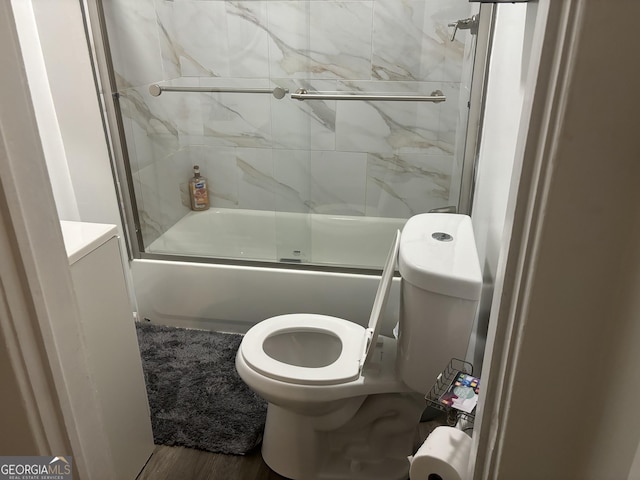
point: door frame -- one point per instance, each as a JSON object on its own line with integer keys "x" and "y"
{"x": 40, "y": 324}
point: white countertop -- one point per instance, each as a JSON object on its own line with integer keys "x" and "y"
{"x": 80, "y": 238}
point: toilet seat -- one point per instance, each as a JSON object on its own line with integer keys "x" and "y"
{"x": 356, "y": 341}
{"x": 344, "y": 369}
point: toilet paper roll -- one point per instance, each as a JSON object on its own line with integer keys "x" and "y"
{"x": 443, "y": 455}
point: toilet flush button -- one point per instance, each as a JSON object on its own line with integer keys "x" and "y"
{"x": 442, "y": 237}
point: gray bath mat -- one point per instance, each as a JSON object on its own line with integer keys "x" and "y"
{"x": 196, "y": 397}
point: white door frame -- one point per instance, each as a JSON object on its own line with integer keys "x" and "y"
{"x": 39, "y": 319}
{"x": 550, "y": 58}
{"x": 561, "y": 302}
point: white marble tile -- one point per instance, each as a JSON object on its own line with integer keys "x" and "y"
{"x": 169, "y": 49}
{"x": 404, "y": 185}
{"x": 180, "y": 53}
{"x": 219, "y": 38}
{"x": 386, "y": 126}
{"x": 256, "y": 178}
{"x": 351, "y": 157}
{"x": 159, "y": 197}
{"x": 236, "y": 119}
{"x": 138, "y": 156}
{"x": 292, "y": 169}
{"x": 411, "y": 40}
{"x": 164, "y": 114}
{"x": 140, "y": 146}
{"x": 405, "y": 45}
{"x": 453, "y": 117}
{"x": 134, "y": 42}
{"x": 302, "y": 124}
{"x": 338, "y": 182}
{"x": 329, "y": 39}
{"x": 219, "y": 166}
{"x": 256, "y": 185}
{"x": 341, "y": 38}
{"x": 289, "y": 38}
{"x": 464, "y": 97}
{"x": 455, "y": 52}
{"x": 151, "y": 134}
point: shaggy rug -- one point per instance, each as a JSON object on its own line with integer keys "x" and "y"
{"x": 195, "y": 395}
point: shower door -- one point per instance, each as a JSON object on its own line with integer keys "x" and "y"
{"x": 321, "y": 126}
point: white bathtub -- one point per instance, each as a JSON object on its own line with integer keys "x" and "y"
{"x": 279, "y": 236}
{"x": 233, "y": 298}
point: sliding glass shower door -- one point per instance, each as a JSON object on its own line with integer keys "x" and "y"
{"x": 320, "y": 126}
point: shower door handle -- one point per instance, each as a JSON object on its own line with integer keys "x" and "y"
{"x": 435, "y": 97}
{"x": 277, "y": 92}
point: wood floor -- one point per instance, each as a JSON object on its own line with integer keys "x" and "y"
{"x": 179, "y": 463}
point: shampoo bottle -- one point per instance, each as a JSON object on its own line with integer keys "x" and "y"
{"x": 198, "y": 191}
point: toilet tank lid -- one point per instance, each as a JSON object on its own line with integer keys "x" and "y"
{"x": 438, "y": 254}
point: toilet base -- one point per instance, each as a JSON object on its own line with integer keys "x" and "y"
{"x": 372, "y": 442}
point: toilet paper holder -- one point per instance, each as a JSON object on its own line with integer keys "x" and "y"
{"x": 439, "y": 397}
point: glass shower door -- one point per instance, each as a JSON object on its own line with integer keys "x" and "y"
{"x": 306, "y": 173}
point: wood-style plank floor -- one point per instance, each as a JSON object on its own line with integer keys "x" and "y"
{"x": 179, "y": 463}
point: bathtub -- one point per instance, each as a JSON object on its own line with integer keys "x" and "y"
{"x": 233, "y": 298}
{"x": 353, "y": 241}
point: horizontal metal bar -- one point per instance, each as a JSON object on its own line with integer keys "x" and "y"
{"x": 302, "y": 94}
{"x": 277, "y": 92}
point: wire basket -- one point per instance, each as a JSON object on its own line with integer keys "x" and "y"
{"x": 443, "y": 382}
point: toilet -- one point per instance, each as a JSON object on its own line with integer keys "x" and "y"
{"x": 344, "y": 402}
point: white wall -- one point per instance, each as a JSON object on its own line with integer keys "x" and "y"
{"x": 66, "y": 56}
{"x": 50, "y": 135}
{"x": 503, "y": 107}
{"x": 56, "y": 55}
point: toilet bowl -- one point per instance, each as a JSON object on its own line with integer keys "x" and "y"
{"x": 306, "y": 349}
{"x": 343, "y": 401}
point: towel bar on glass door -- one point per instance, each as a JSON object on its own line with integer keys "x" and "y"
{"x": 302, "y": 94}
{"x": 277, "y": 92}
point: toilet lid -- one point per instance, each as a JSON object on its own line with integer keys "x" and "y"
{"x": 380, "y": 302}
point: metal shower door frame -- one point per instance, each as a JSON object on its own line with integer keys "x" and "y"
{"x": 97, "y": 40}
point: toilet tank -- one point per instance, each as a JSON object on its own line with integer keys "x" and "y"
{"x": 439, "y": 294}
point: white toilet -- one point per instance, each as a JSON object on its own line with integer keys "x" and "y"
{"x": 344, "y": 401}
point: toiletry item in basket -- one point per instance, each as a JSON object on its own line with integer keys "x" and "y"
{"x": 198, "y": 191}
{"x": 463, "y": 392}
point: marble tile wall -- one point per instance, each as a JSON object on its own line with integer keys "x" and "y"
{"x": 389, "y": 159}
